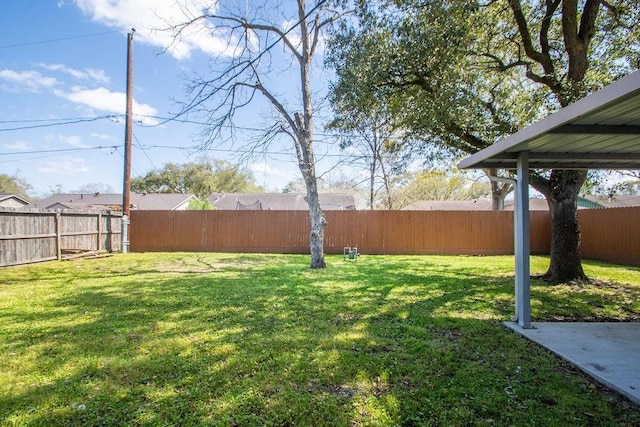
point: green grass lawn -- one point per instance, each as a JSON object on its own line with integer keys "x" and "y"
{"x": 244, "y": 340}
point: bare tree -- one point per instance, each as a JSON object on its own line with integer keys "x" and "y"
{"x": 249, "y": 67}
{"x": 370, "y": 139}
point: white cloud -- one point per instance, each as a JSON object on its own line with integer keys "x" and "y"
{"x": 87, "y": 74}
{"x": 102, "y": 136}
{"x": 17, "y": 145}
{"x": 113, "y": 102}
{"x": 294, "y": 34}
{"x": 263, "y": 169}
{"x": 30, "y": 80}
{"x": 73, "y": 140}
{"x": 150, "y": 18}
{"x": 64, "y": 166}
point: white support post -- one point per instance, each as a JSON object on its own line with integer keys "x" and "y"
{"x": 125, "y": 234}
{"x": 522, "y": 245}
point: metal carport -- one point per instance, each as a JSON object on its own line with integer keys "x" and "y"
{"x": 600, "y": 131}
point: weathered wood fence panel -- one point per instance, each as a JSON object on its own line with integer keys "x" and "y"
{"x": 221, "y": 231}
{"x": 374, "y": 232}
{"x": 34, "y": 236}
{"x": 611, "y": 235}
{"x": 431, "y": 232}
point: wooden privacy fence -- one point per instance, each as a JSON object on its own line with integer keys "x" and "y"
{"x": 33, "y": 236}
{"x": 611, "y": 235}
{"x": 374, "y": 232}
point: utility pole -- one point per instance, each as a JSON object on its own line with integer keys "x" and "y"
{"x": 126, "y": 193}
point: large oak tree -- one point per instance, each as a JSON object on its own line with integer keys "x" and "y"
{"x": 13, "y": 184}
{"x": 467, "y": 73}
{"x": 201, "y": 178}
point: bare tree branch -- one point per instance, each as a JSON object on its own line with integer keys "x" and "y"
{"x": 525, "y": 34}
{"x": 243, "y": 75}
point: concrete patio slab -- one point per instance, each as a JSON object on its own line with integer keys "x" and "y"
{"x": 609, "y": 352}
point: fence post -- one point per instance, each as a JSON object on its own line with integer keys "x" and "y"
{"x": 108, "y": 244}
{"x": 99, "y": 231}
{"x": 58, "y": 235}
{"x": 125, "y": 234}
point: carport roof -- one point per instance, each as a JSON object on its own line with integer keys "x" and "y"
{"x": 600, "y": 131}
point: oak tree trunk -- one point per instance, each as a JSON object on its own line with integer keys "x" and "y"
{"x": 561, "y": 191}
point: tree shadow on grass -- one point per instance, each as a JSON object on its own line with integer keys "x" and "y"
{"x": 269, "y": 344}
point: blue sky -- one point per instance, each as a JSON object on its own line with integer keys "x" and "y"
{"x": 65, "y": 61}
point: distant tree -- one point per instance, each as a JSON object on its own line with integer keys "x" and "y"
{"x": 374, "y": 144}
{"x": 439, "y": 185}
{"x": 609, "y": 184}
{"x": 296, "y": 186}
{"x": 200, "y": 178}
{"x": 200, "y": 205}
{"x": 53, "y": 190}
{"x": 346, "y": 184}
{"x": 628, "y": 188}
{"x": 94, "y": 187}
{"x": 13, "y": 184}
{"x": 333, "y": 184}
{"x": 633, "y": 174}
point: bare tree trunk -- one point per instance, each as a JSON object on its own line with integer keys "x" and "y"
{"x": 307, "y": 168}
{"x": 561, "y": 191}
{"x": 372, "y": 183}
{"x": 305, "y": 131}
{"x": 318, "y": 222}
{"x": 499, "y": 190}
{"x": 497, "y": 200}
{"x": 387, "y": 187}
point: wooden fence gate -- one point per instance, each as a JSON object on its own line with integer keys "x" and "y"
{"x": 34, "y": 236}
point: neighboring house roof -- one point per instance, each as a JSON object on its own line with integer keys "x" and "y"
{"x": 155, "y": 201}
{"x": 279, "y": 201}
{"x": 535, "y": 204}
{"x": 449, "y": 205}
{"x": 618, "y": 201}
{"x": 12, "y": 201}
{"x": 77, "y": 207}
{"x": 77, "y": 200}
{"x": 161, "y": 201}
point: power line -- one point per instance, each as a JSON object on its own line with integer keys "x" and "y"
{"x": 60, "y": 150}
{"x": 231, "y": 151}
{"x": 227, "y": 126}
{"x": 75, "y": 120}
{"x": 144, "y": 150}
{"x": 54, "y": 120}
{"x": 11, "y": 46}
{"x": 61, "y": 123}
{"x": 51, "y": 153}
